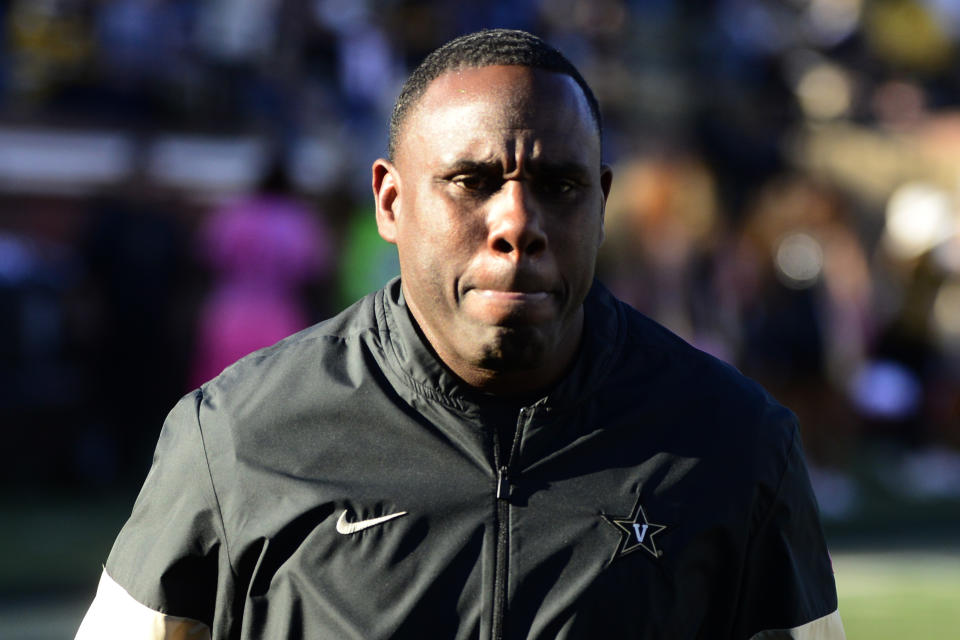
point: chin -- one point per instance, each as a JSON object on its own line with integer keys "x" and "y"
{"x": 514, "y": 350}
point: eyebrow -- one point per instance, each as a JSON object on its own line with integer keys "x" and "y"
{"x": 466, "y": 166}
{"x": 561, "y": 168}
{"x": 535, "y": 167}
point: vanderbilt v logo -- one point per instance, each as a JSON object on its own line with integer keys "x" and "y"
{"x": 636, "y": 532}
{"x": 640, "y": 530}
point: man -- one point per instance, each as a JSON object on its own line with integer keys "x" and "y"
{"x": 492, "y": 445}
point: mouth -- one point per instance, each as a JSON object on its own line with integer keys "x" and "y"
{"x": 510, "y": 296}
{"x": 510, "y": 305}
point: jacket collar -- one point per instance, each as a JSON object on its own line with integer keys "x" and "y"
{"x": 414, "y": 362}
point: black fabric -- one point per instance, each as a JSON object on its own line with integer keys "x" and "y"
{"x": 235, "y": 525}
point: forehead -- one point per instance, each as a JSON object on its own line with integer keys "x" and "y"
{"x": 471, "y": 108}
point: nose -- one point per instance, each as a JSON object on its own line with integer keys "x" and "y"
{"x": 515, "y": 223}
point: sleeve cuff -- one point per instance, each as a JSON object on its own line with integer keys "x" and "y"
{"x": 829, "y": 627}
{"x": 116, "y": 615}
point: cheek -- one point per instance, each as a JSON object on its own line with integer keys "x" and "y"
{"x": 577, "y": 243}
{"x": 450, "y": 236}
{"x": 431, "y": 255}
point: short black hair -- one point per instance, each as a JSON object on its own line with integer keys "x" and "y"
{"x": 484, "y": 48}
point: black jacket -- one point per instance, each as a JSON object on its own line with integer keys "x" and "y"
{"x": 654, "y": 493}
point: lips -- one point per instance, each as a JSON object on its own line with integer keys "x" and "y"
{"x": 510, "y": 305}
{"x": 521, "y": 296}
{"x": 508, "y": 280}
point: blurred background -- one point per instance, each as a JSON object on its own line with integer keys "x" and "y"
{"x": 184, "y": 181}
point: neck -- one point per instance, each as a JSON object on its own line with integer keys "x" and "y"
{"x": 518, "y": 383}
{"x": 520, "y": 375}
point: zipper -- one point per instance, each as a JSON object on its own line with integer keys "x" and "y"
{"x": 503, "y": 541}
{"x": 503, "y": 515}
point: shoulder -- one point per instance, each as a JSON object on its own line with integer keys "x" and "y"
{"x": 696, "y": 398}
{"x": 309, "y": 354}
{"x": 260, "y": 406}
{"x": 650, "y": 356}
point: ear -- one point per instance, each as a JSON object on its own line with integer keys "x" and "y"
{"x": 386, "y": 195}
{"x": 606, "y": 179}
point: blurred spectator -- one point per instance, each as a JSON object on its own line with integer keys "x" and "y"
{"x": 39, "y": 387}
{"x": 238, "y": 33}
{"x": 806, "y": 318}
{"x": 144, "y": 58}
{"x": 49, "y": 44}
{"x": 134, "y": 251}
{"x": 662, "y": 225}
{"x": 366, "y": 262}
{"x": 262, "y": 249}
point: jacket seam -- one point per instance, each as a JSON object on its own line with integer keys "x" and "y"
{"x": 213, "y": 486}
{"x": 752, "y": 537}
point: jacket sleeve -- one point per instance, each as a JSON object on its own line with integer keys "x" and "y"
{"x": 788, "y": 589}
{"x": 168, "y": 574}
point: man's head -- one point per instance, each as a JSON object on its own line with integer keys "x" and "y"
{"x": 485, "y": 48}
{"x": 494, "y": 196}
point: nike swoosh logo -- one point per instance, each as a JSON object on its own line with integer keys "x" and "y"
{"x": 346, "y": 528}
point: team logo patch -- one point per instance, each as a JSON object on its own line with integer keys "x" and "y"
{"x": 636, "y": 532}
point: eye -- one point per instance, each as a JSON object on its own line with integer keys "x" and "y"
{"x": 476, "y": 182}
{"x": 558, "y": 186}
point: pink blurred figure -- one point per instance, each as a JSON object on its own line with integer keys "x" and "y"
{"x": 262, "y": 249}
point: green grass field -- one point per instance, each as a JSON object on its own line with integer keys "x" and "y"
{"x": 902, "y": 595}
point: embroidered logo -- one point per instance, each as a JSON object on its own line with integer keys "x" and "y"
{"x": 346, "y": 528}
{"x": 636, "y": 532}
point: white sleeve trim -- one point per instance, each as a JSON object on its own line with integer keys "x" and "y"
{"x": 115, "y": 615}
{"x": 829, "y": 627}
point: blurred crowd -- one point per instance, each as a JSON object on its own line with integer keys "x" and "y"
{"x": 786, "y": 197}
